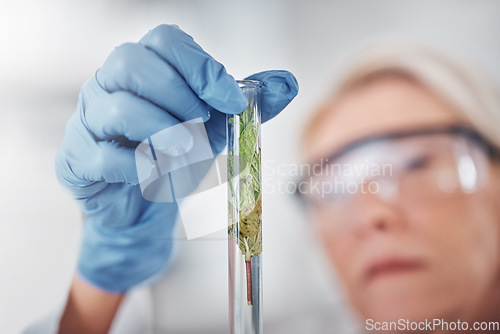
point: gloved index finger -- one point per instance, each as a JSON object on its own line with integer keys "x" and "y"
{"x": 204, "y": 75}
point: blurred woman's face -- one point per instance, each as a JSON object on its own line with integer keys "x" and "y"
{"x": 439, "y": 262}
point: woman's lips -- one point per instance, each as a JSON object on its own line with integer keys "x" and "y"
{"x": 391, "y": 266}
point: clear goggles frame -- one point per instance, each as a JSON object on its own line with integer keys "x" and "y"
{"x": 415, "y": 167}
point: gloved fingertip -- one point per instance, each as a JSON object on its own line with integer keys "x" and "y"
{"x": 235, "y": 100}
{"x": 242, "y": 103}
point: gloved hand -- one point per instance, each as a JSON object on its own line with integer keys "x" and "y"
{"x": 141, "y": 89}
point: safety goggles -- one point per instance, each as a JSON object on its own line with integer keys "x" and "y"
{"x": 417, "y": 168}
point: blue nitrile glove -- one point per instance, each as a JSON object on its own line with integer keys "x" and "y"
{"x": 141, "y": 89}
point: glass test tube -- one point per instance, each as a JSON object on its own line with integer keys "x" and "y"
{"x": 245, "y": 215}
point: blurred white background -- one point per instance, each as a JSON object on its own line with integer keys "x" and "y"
{"x": 49, "y": 48}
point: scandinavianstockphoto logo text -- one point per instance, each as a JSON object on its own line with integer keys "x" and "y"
{"x": 324, "y": 178}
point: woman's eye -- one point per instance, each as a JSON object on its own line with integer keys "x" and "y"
{"x": 418, "y": 163}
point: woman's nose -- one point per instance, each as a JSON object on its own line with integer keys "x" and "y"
{"x": 378, "y": 212}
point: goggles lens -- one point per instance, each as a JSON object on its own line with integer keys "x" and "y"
{"x": 416, "y": 170}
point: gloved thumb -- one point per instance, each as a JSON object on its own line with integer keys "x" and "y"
{"x": 278, "y": 90}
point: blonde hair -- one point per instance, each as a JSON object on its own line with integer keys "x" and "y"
{"x": 471, "y": 93}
